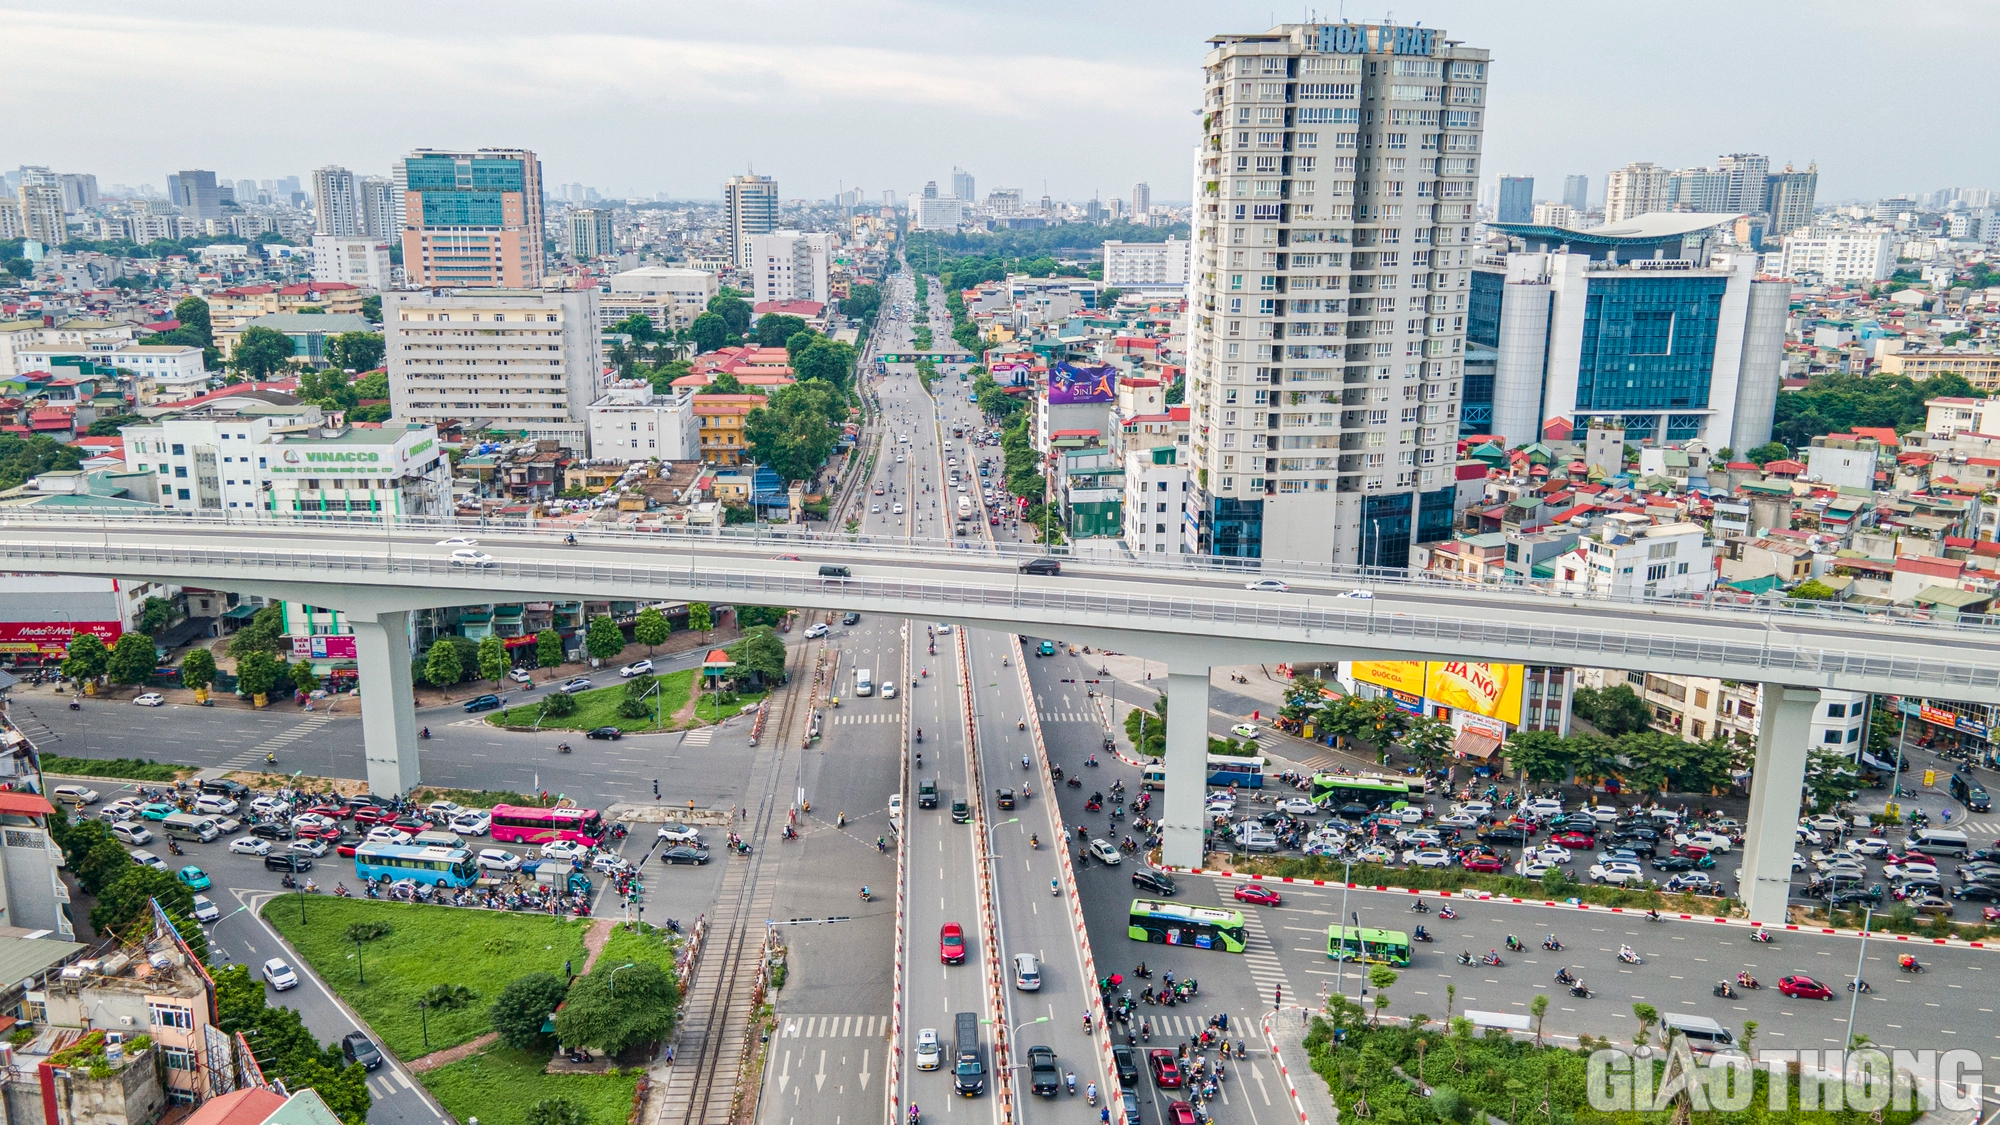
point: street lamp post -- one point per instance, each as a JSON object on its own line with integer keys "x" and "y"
{"x": 423, "y": 1013}
{"x": 1341, "y": 966}
{"x": 1854, "y": 986}
{"x": 611, "y": 980}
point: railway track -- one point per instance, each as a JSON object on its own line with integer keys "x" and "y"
{"x": 720, "y": 1002}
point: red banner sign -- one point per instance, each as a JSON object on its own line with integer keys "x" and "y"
{"x": 51, "y": 638}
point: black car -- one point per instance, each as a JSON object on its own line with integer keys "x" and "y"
{"x": 483, "y": 703}
{"x": 287, "y": 861}
{"x": 1854, "y": 895}
{"x": 1004, "y": 798}
{"x": 273, "y": 831}
{"x": 1157, "y": 882}
{"x": 850, "y": 618}
{"x": 1980, "y": 889}
{"x": 684, "y": 854}
{"x": 1674, "y": 863}
{"x": 1044, "y": 565}
{"x": 1042, "y": 1071}
{"x": 234, "y": 790}
{"x": 1127, "y": 1063}
{"x": 356, "y": 1047}
{"x": 611, "y": 733}
{"x": 1506, "y": 836}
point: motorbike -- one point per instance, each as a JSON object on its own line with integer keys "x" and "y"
{"x": 1034, "y": 842}
{"x": 424, "y": 733}
{"x": 1745, "y": 980}
{"x": 1420, "y": 907}
{"x": 1074, "y": 783}
{"x": 289, "y": 883}
{"x": 1466, "y": 958}
{"x": 1723, "y": 990}
{"x": 1421, "y": 934}
{"x": 1630, "y": 958}
{"x": 1909, "y": 965}
{"x": 1492, "y": 959}
{"x": 562, "y": 747}
{"x": 920, "y": 737}
{"x": 1092, "y": 805}
{"x": 1859, "y": 985}
{"x": 75, "y": 705}
{"x": 1762, "y": 936}
{"x": 580, "y": 1055}
{"x": 1580, "y": 991}
{"x": 1514, "y": 944}
{"x": 174, "y": 847}
{"x": 1447, "y": 913}
{"x": 1552, "y": 945}
{"x": 1563, "y": 977}
{"x": 1056, "y": 772}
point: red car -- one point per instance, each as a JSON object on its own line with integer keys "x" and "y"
{"x": 1166, "y": 1072}
{"x": 1485, "y": 864}
{"x": 951, "y": 944}
{"x": 324, "y": 809}
{"x": 370, "y": 814}
{"x": 346, "y": 848}
{"x": 1180, "y": 1113}
{"x": 1574, "y": 839}
{"x": 1262, "y": 896}
{"x": 1804, "y": 987}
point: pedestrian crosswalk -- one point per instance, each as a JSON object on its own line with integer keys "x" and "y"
{"x": 1258, "y": 954}
{"x": 877, "y": 717}
{"x": 832, "y": 1026}
{"x": 254, "y": 756}
{"x": 1091, "y": 717}
{"x": 1171, "y": 1027}
{"x": 700, "y": 736}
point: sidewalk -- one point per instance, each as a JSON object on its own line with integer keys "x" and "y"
{"x": 1285, "y": 1031}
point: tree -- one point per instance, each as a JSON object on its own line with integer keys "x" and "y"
{"x": 558, "y": 1110}
{"x": 155, "y": 615}
{"x": 639, "y": 326}
{"x": 371, "y": 306}
{"x": 1540, "y": 755}
{"x": 1428, "y": 742}
{"x": 1831, "y": 777}
{"x": 709, "y": 331}
{"x": 1615, "y": 710}
{"x": 110, "y": 424}
{"x": 304, "y": 679}
{"x": 603, "y": 640}
{"x": 521, "y": 1008}
{"x": 261, "y": 352}
{"x": 442, "y": 666}
{"x": 774, "y": 329}
{"x": 1769, "y": 451}
{"x": 548, "y": 648}
{"x": 761, "y": 654}
{"x": 22, "y": 458}
{"x": 356, "y": 351}
{"x": 197, "y": 668}
{"x": 1539, "y": 1007}
{"x": 86, "y": 657}
{"x": 1647, "y": 1015}
{"x": 700, "y": 618}
{"x": 131, "y": 660}
{"x": 128, "y": 898}
{"x": 256, "y": 673}
{"x": 192, "y": 312}
{"x": 560, "y": 705}
{"x": 286, "y": 1050}
{"x": 492, "y": 657}
{"x": 613, "y": 1013}
{"x": 1812, "y": 590}
{"x": 733, "y": 309}
{"x": 827, "y": 361}
{"x": 94, "y": 855}
{"x": 1380, "y": 978}
{"x": 652, "y": 628}
{"x": 1109, "y": 298}
{"x": 796, "y": 430}
{"x": 725, "y": 383}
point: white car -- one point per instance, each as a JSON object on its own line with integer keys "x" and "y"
{"x": 75, "y": 794}
{"x": 1358, "y": 595}
{"x": 441, "y": 811}
{"x": 519, "y": 675}
{"x": 1221, "y": 806}
{"x": 149, "y": 859}
{"x": 214, "y": 803}
{"x": 636, "y": 668}
{"x": 1551, "y": 853}
{"x": 458, "y": 541}
{"x": 1542, "y": 807}
{"x": 267, "y": 806}
{"x": 250, "y": 845}
{"x": 124, "y": 808}
{"x": 889, "y": 689}
{"x": 280, "y": 975}
{"x": 580, "y": 683}
{"x": 1297, "y": 806}
{"x": 1911, "y": 870}
{"x": 1871, "y": 846}
{"x": 564, "y": 849}
{"x": 1410, "y": 814}
{"x": 310, "y": 846}
{"x": 1474, "y": 808}
{"x": 1603, "y": 815}
{"x": 930, "y": 1055}
{"x": 131, "y": 832}
{"x": 1810, "y": 836}
{"x": 466, "y": 556}
{"x": 610, "y": 863}
{"x": 205, "y": 909}
{"x": 1824, "y": 822}
{"x": 816, "y": 630}
{"x": 680, "y": 834}
{"x": 1617, "y": 871}
{"x": 1376, "y": 853}
{"x": 874, "y": 509}
{"x": 1106, "y": 853}
{"x": 312, "y": 820}
{"x": 476, "y": 822}
{"x": 1459, "y": 820}
{"x": 1419, "y": 838}
{"x": 1706, "y": 840}
{"x": 150, "y": 699}
{"x": 896, "y": 509}
{"x": 383, "y": 834}
{"x": 497, "y": 859}
{"x": 1246, "y": 730}
{"x": 1427, "y": 857}
{"x": 1266, "y": 585}
{"x": 1533, "y": 868}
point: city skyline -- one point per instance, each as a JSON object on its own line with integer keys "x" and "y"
{"x": 852, "y": 99}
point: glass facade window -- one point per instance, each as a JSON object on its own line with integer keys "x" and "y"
{"x": 1385, "y": 530}
{"x": 1237, "y": 528}
{"x": 1482, "y": 311}
{"x": 462, "y": 209}
{"x": 1648, "y": 342}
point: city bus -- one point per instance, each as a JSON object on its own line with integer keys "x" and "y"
{"x": 1244, "y": 773}
{"x": 526, "y": 824}
{"x": 1177, "y": 923}
{"x": 1373, "y": 947}
{"x": 1332, "y": 790}
{"x": 438, "y": 866}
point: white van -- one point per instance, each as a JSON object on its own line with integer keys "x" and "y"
{"x": 1704, "y": 1035}
{"x": 189, "y": 826}
{"x": 1939, "y": 841}
{"x": 864, "y": 682}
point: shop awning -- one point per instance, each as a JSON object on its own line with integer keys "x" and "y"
{"x": 1474, "y": 744}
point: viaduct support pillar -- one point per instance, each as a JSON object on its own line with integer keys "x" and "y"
{"x": 1778, "y": 778}
{"x": 1182, "y": 821}
{"x": 388, "y": 710}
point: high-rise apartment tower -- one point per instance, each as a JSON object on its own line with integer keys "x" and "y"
{"x": 336, "y": 203}
{"x": 472, "y": 219}
{"x": 1334, "y": 190}
{"x": 1517, "y": 199}
{"x": 750, "y": 208}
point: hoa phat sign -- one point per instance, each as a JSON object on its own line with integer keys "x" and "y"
{"x": 1359, "y": 39}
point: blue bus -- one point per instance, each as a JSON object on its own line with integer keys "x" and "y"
{"x": 1244, "y": 773}
{"x": 438, "y": 866}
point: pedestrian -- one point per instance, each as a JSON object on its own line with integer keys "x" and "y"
{"x": 670, "y": 1054}
{"x": 568, "y": 971}
{"x": 1278, "y": 996}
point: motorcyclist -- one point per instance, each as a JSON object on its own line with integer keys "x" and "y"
{"x": 1625, "y": 953}
{"x": 424, "y": 733}
{"x": 865, "y": 896}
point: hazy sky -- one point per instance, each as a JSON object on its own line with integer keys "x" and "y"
{"x": 638, "y": 98}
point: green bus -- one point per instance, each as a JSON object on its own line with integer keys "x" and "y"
{"x": 1332, "y": 790}
{"x": 1177, "y": 923}
{"x": 1373, "y": 947}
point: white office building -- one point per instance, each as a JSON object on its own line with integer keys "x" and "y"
{"x": 1327, "y": 328}
{"x": 1639, "y": 188}
{"x": 1159, "y": 507}
{"x": 357, "y": 261}
{"x": 1839, "y": 255}
{"x": 750, "y": 208}
{"x": 1630, "y": 557}
{"x": 788, "y": 265}
{"x": 668, "y": 296}
{"x": 526, "y": 360}
{"x": 633, "y": 422}
{"x": 1147, "y": 266}
{"x": 938, "y": 213}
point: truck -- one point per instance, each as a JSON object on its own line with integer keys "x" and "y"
{"x": 927, "y": 793}
{"x": 1042, "y": 1071}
